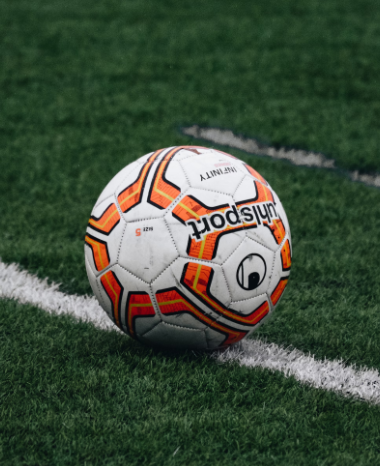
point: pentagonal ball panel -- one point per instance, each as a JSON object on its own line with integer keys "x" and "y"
{"x": 248, "y": 271}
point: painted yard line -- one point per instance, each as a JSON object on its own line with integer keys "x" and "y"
{"x": 252, "y": 146}
{"x": 336, "y": 376}
{"x": 329, "y": 375}
{"x": 28, "y": 289}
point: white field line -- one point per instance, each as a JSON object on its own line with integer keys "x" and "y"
{"x": 252, "y": 146}
{"x": 28, "y": 289}
{"x": 336, "y": 376}
{"x": 350, "y": 381}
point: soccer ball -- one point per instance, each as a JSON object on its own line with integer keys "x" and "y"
{"x": 188, "y": 247}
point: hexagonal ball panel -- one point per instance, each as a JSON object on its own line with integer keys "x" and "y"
{"x": 281, "y": 272}
{"x": 173, "y": 300}
{"x": 196, "y": 276}
{"x": 257, "y": 208}
{"x": 111, "y": 289}
{"x": 138, "y": 321}
{"x": 190, "y": 151}
{"x": 214, "y": 171}
{"x": 112, "y": 186}
{"x": 281, "y": 212}
{"x": 247, "y": 306}
{"x": 214, "y": 338}
{"x": 147, "y": 248}
{"x": 199, "y": 225}
{"x": 146, "y": 193}
{"x": 184, "y": 303}
{"x": 103, "y": 236}
{"x": 170, "y": 336}
{"x": 94, "y": 284}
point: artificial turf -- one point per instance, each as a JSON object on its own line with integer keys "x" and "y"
{"x": 72, "y": 394}
{"x": 85, "y": 88}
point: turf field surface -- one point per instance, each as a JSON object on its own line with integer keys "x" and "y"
{"x": 87, "y": 88}
{"x": 336, "y": 376}
{"x": 107, "y": 400}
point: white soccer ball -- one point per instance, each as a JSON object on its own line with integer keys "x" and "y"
{"x": 188, "y": 247}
